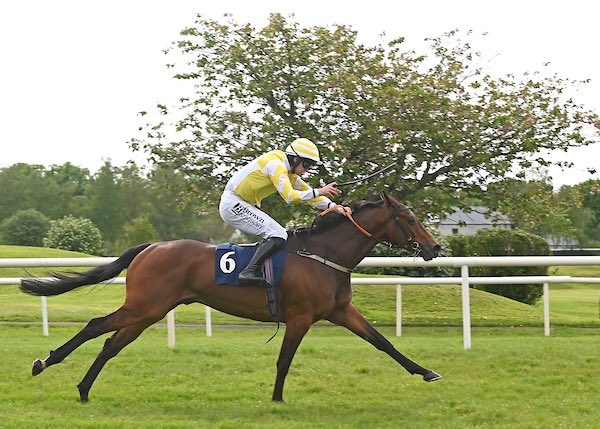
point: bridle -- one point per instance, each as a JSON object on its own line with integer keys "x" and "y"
{"x": 396, "y": 214}
{"x": 416, "y": 247}
{"x": 413, "y": 244}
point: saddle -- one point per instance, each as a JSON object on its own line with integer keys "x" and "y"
{"x": 231, "y": 259}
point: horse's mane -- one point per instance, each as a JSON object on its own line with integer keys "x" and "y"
{"x": 333, "y": 218}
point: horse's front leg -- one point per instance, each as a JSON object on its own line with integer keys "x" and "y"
{"x": 295, "y": 330}
{"x": 349, "y": 317}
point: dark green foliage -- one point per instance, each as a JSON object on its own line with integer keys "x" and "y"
{"x": 504, "y": 242}
{"x": 52, "y": 190}
{"x": 25, "y": 228}
{"x": 106, "y": 203}
{"x": 589, "y": 212}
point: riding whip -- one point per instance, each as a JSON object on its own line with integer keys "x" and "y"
{"x": 352, "y": 182}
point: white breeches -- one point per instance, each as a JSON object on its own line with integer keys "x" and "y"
{"x": 248, "y": 218}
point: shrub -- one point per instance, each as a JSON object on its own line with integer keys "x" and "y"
{"x": 76, "y": 234}
{"x": 504, "y": 242}
{"x": 25, "y": 228}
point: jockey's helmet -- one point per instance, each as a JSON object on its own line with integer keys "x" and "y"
{"x": 304, "y": 148}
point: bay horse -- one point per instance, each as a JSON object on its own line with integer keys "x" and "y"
{"x": 315, "y": 285}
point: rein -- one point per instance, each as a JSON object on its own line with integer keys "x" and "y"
{"x": 349, "y": 216}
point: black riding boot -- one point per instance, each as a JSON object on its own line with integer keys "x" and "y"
{"x": 251, "y": 275}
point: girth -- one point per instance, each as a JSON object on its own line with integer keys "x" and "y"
{"x": 323, "y": 261}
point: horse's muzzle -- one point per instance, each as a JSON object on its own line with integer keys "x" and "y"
{"x": 429, "y": 252}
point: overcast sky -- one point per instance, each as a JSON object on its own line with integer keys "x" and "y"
{"x": 75, "y": 74}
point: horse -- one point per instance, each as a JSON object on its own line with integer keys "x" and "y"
{"x": 315, "y": 285}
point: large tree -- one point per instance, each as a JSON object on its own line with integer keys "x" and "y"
{"x": 533, "y": 206}
{"x": 587, "y": 215}
{"x": 52, "y": 191}
{"x": 71, "y": 180}
{"x": 105, "y": 205}
{"x": 446, "y": 124}
{"x": 26, "y": 186}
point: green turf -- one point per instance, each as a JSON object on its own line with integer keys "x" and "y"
{"x": 512, "y": 378}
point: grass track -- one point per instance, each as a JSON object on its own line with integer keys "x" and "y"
{"x": 512, "y": 378}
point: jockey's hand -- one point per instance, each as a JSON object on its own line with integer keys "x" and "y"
{"x": 343, "y": 210}
{"x": 330, "y": 190}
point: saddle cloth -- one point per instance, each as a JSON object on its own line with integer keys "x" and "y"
{"x": 231, "y": 259}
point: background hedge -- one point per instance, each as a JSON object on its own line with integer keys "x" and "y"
{"x": 504, "y": 242}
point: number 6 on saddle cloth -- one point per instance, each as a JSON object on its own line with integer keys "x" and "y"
{"x": 231, "y": 259}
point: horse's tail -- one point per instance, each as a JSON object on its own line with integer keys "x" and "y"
{"x": 62, "y": 283}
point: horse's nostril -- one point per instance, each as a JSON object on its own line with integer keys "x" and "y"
{"x": 437, "y": 249}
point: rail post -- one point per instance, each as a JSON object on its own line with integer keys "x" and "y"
{"x": 208, "y": 321}
{"x": 398, "y": 310}
{"x": 546, "y": 310}
{"x": 171, "y": 329}
{"x": 466, "y": 306}
{"x": 45, "y": 316}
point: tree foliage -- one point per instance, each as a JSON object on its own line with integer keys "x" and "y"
{"x": 137, "y": 231}
{"x": 533, "y": 206}
{"x": 446, "y": 124}
{"x": 586, "y": 216}
{"x": 106, "y": 205}
{"x": 114, "y": 197}
{"x": 50, "y": 190}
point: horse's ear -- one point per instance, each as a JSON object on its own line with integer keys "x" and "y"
{"x": 384, "y": 197}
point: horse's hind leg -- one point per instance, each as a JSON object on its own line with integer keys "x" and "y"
{"x": 112, "y": 347}
{"x": 350, "y": 318}
{"x": 93, "y": 329}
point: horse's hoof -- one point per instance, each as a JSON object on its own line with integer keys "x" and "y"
{"x": 38, "y": 366}
{"x": 83, "y": 394}
{"x": 431, "y": 376}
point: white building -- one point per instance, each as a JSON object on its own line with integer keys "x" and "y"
{"x": 469, "y": 222}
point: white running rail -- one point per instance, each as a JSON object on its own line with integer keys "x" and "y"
{"x": 464, "y": 281}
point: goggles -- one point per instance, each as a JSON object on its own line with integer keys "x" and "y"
{"x": 308, "y": 163}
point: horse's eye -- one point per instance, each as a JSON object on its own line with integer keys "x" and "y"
{"x": 412, "y": 221}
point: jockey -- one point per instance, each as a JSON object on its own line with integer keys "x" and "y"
{"x": 275, "y": 171}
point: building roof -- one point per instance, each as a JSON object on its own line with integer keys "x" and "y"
{"x": 478, "y": 215}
